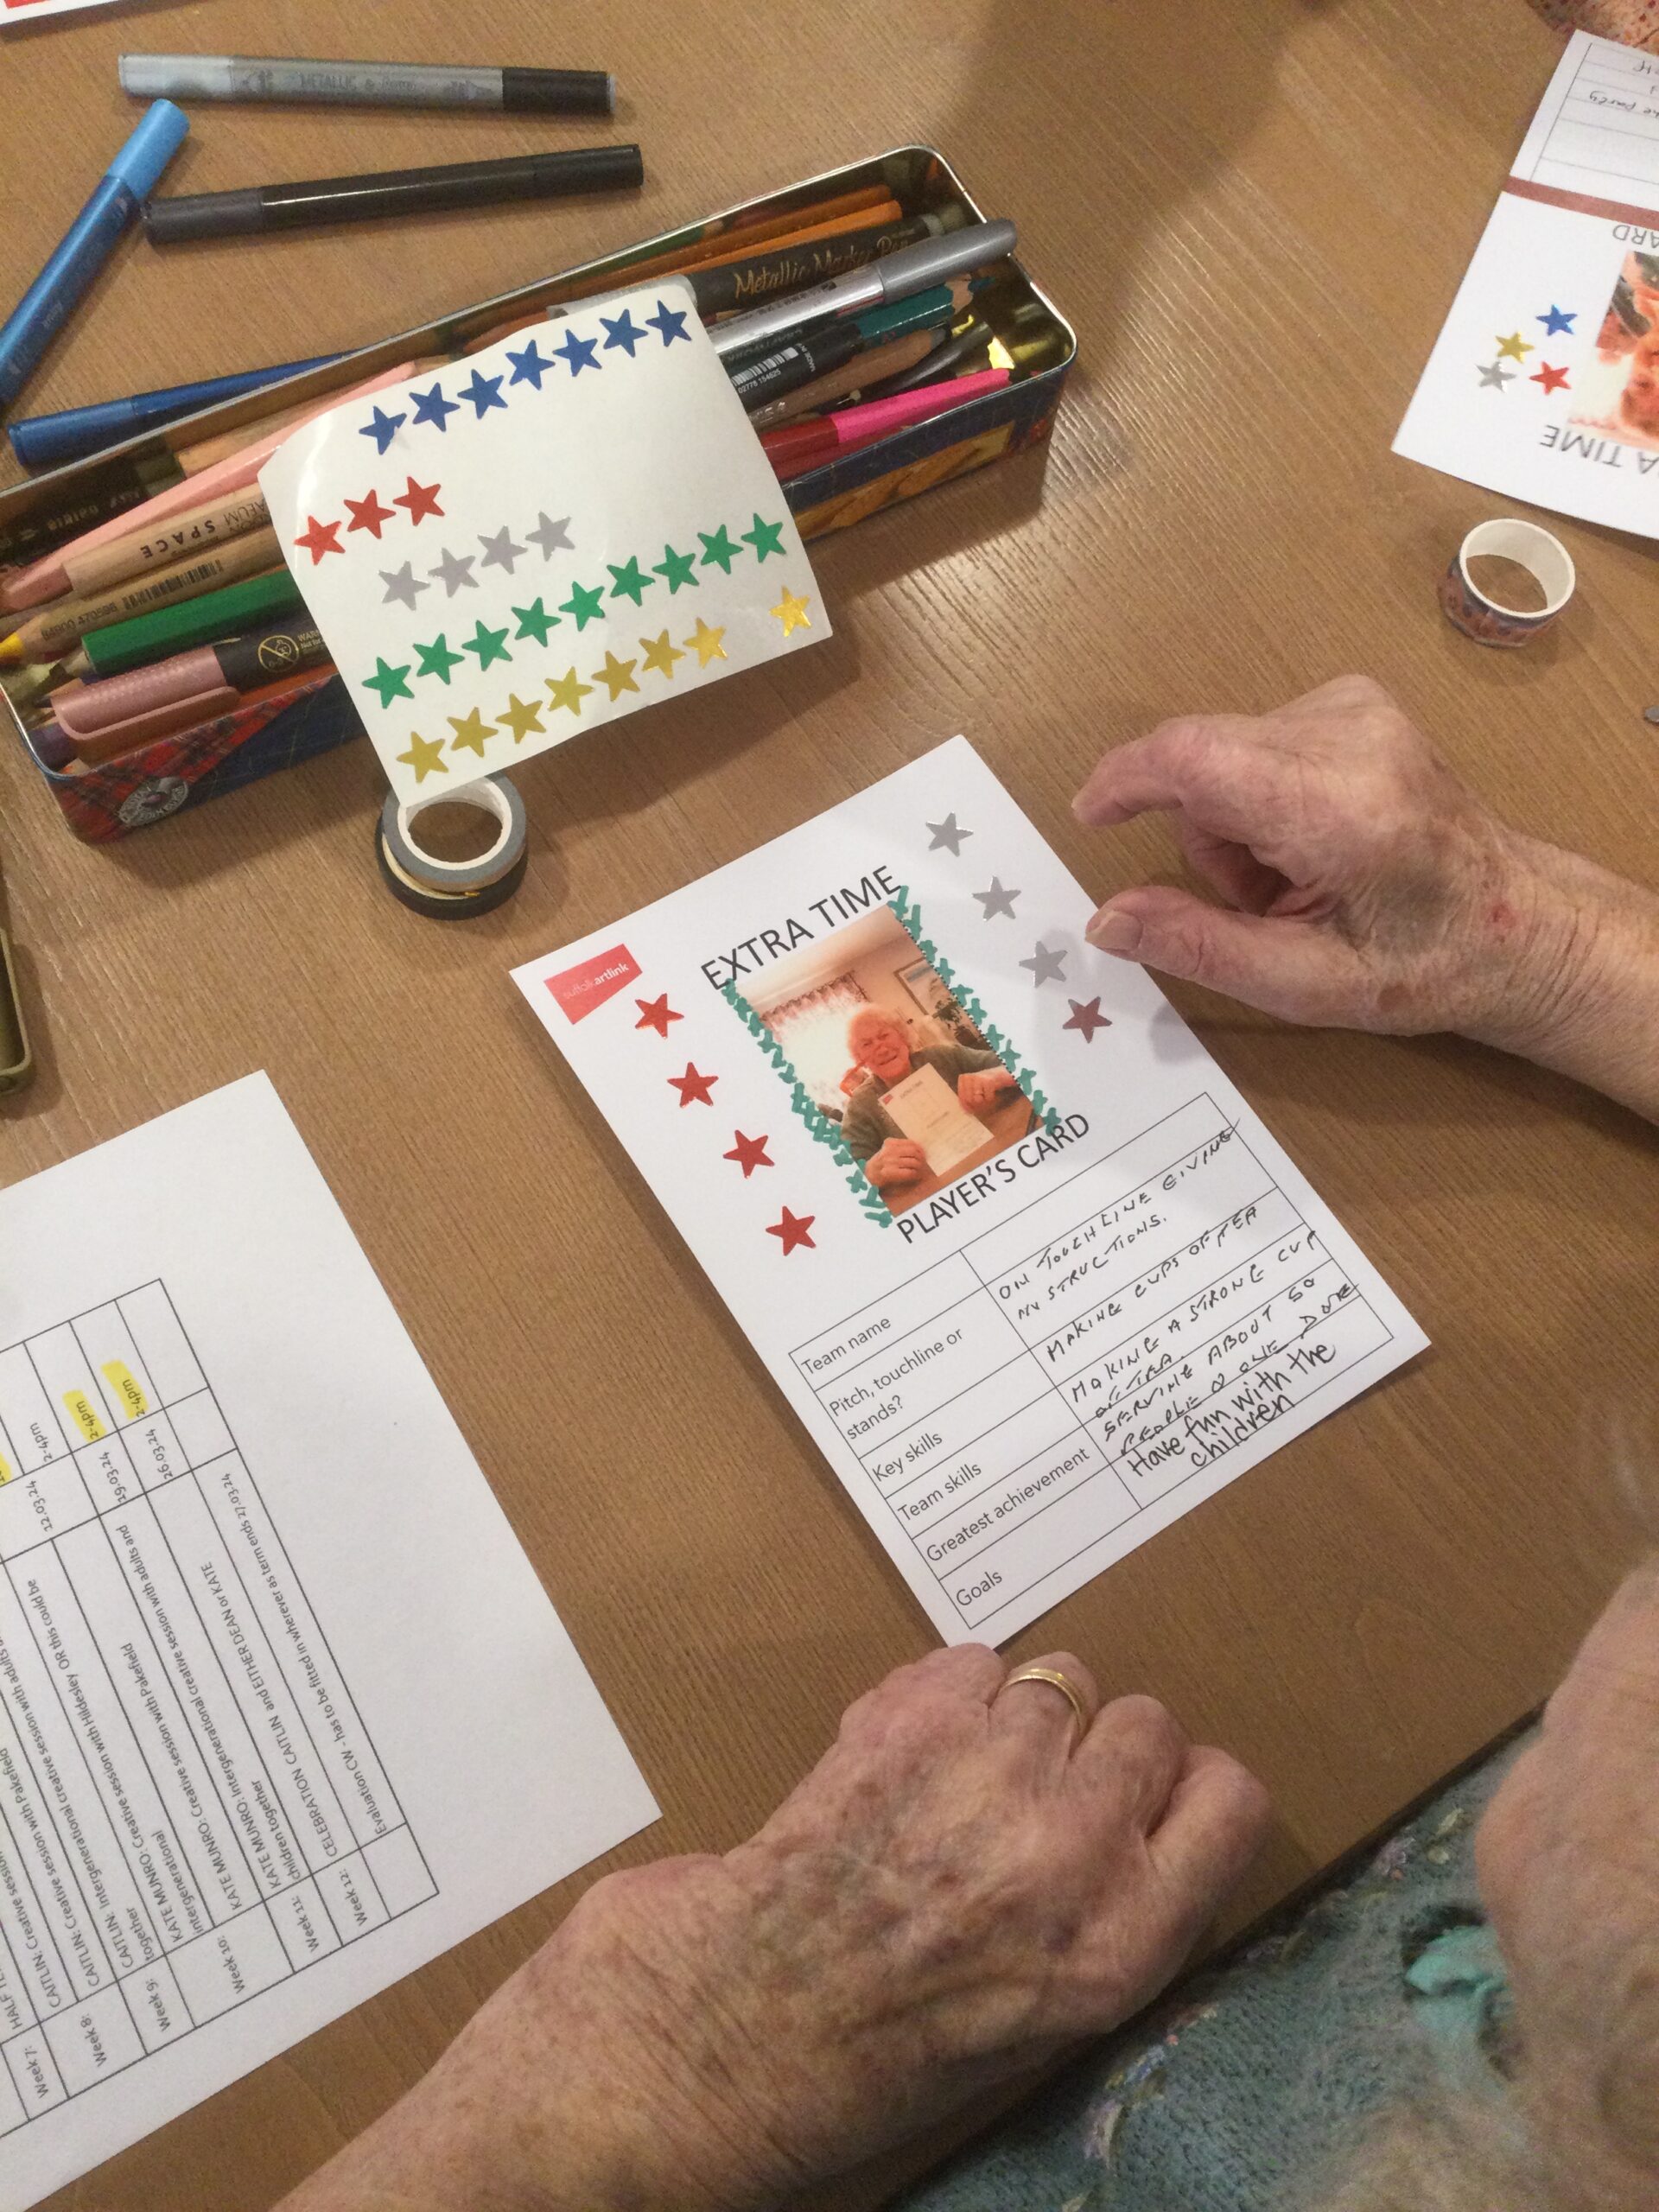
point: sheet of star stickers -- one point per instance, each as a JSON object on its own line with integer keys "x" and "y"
{"x": 547, "y": 535}
{"x": 1544, "y": 383}
{"x": 1025, "y": 1345}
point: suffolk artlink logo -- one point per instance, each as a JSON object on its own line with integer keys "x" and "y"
{"x": 591, "y": 981}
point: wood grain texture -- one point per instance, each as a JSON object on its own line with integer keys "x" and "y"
{"x": 1257, "y": 227}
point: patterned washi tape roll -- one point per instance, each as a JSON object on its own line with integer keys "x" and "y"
{"x": 1486, "y": 619}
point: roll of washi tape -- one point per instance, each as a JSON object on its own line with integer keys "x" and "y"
{"x": 493, "y": 795}
{"x": 447, "y": 906}
{"x": 1477, "y": 608}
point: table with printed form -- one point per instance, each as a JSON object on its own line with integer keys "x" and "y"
{"x": 1090, "y": 1344}
{"x": 191, "y": 1808}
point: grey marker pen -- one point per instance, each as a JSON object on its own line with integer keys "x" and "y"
{"x": 912, "y": 269}
{"x": 368, "y": 83}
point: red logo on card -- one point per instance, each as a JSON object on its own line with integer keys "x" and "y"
{"x": 579, "y": 989}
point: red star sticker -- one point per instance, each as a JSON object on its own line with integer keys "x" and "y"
{"x": 692, "y": 1085}
{"x": 749, "y": 1153}
{"x": 1087, "y": 1018}
{"x": 1551, "y": 379}
{"x": 367, "y": 514}
{"x": 792, "y": 1231}
{"x": 419, "y": 498}
{"x": 656, "y": 1014}
{"x": 320, "y": 537}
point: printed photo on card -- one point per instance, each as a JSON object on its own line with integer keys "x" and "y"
{"x": 1033, "y": 1273}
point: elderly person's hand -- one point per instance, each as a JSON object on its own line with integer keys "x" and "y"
{"x": 1362, "y": 884}
{"x": 982, "y": 1087}
{"x": 1568, "y": 1854}
{"x": 959, "y": 1889}
{"x": 900, "y": 1159}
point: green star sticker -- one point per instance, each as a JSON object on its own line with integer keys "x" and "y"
{"x": 676, "y": 568}
{"x": 718, "y": 551}
{"x": 489, "y": 646}
{"x": 436, "y": 659}
{"x": 388, "y": 682}
{"x": 632, "y": 582}
{"x": 535, "y": 621}
{"x": 765, "y": 538}
{"x": 585, "y": 605}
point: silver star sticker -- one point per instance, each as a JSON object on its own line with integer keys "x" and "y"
{"x": 551, "y": 535}
{"x": 996, "y": 900}
{"x": 948, "y": 836}
{"x": 401, "y": 585}
{"x": 499, "y": 551}
{"x": 457, "y": 572}
{"x": 1046, "y": 967}
{"x": 1494, "y": 379}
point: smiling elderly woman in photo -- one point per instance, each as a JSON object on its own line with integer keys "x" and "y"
{"x": 879, "y": 1042}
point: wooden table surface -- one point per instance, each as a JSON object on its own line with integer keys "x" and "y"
{"x": 1256, "y": 217}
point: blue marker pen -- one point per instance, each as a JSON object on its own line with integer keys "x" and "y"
{"x": 50, "y": 441}
{"x": 131, "y": 178}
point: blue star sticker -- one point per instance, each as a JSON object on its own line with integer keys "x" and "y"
{"x": 530, "y": 366}
{"x": 580, "y": 352}
{"x": 485, "y": 392}
{"x": 383, "y": 429}
{"x": 621, "y": 330}
{"x": 671, "y": 321}
{"x": 432, "y": 407}
{"x": 1557, "y": 322}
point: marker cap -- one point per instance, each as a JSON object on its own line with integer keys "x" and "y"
{"x": 140, "y": 162}
{"x": 559, "y": 91}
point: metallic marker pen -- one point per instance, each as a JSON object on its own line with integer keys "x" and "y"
{"x": 912, "y": 269}
{"x": 391, "y": 193}
{"x": 86, "y": 245}
{"x": 366, "y": 84}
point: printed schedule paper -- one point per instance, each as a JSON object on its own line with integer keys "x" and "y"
{"x": 1025, "y": 1363}
{"x": 284, "y": 1712}
{"x": 1544, "y": 382}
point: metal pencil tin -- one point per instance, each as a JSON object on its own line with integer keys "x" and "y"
{"x": 282, "y": 727}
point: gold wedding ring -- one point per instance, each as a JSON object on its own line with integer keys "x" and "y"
{"x": 1067, "y": 1689}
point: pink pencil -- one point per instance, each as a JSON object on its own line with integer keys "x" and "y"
{"x": 47, "y": 579}
{"x": 799, "y": 446}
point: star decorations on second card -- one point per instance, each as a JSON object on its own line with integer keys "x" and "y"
{"x": 542, "y": 537}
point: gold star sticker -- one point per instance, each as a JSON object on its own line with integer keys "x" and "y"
{"x": 472, "y": 734}
{"x": 521, "y": 720}
{"x": 424, "y": 756}
{"x": 1514, "y": 348}
{"x": 707, "y": 642}
{"x": 791, "y": 612}
{"x": 617, "y": 676}
{"x": 660, "y": 655}
{"x": 567, "y": 692}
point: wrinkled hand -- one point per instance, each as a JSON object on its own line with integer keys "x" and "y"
{"x": 1568, "y": 1854}
{"x": 900, "y": 1159}
{"x": 982, "y": 1087}
{"x": 1364, "y": 885}
{"x": 958, "y": 1891}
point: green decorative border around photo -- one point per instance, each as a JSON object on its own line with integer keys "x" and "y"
{"x": 872, "y": 1204}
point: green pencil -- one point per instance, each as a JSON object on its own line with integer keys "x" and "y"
{"x": 194, "y": 622}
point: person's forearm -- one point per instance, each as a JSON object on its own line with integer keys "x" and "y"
{"x": 1586, "y": 1001}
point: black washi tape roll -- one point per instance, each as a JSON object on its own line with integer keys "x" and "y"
{"x": 496, "y": 795}
{"x": 447, "y": 905}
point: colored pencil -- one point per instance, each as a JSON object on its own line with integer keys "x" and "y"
{"x": 44, "y": 635}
